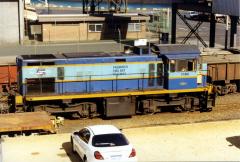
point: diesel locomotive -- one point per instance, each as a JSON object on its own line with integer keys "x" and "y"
{"x": 146, "y": 80}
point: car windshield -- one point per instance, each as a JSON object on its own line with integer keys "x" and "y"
{"x": 109, "y": 140}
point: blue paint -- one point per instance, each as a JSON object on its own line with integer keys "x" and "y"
{"x": 185, "y": 83}
{"x": 102, "y": 86}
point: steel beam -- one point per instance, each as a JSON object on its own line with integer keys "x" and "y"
{"x": 212, "y": 31}
{"x": 174, "y": 24}
{"x": 195, "y": 7}
{"x": 233, "y": 30}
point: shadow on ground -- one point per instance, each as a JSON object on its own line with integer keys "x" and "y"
{"x": 74, "y": 157}
{"x": 235, "y": 141}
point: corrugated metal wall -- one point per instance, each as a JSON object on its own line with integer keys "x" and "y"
{"x": 227, "y": 7}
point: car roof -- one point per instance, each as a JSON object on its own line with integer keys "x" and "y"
{"x": 103, "y": 129}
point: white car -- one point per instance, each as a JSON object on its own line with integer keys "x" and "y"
{"x": 191, "y": 15}
{"x": 102, "y": 143}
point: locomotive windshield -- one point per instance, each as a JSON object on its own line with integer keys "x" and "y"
{"x": 182, "y": 65}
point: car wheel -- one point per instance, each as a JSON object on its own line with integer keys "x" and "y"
{"x": 73, "y": 149}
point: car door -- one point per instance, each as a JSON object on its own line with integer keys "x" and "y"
{"x": 77, "y": 142}
{"x": 84, "y": 147}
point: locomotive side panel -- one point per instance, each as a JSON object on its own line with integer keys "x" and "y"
{"x": 91, "y": 78}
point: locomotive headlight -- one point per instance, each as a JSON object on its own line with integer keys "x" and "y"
{"x": 172, "y": 61}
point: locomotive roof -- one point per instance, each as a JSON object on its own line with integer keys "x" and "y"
{"x": 178, "y": 51}
{"x": 74, "y": 55}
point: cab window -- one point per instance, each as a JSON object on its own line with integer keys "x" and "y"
{"x": 151, "y": 74}
{"x": 172, "y": 65}
{"x": 182, "y": 65}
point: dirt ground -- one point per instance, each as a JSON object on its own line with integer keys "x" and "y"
{"x": 227, "y": 108}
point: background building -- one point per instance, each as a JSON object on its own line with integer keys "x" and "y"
{"x": 11, "y": 21}
{"x": 84, "y": 27}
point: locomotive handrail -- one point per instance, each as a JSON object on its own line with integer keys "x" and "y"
{"x": 115, "y": 82}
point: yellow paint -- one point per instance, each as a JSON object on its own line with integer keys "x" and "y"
{"x": 113, "y": 94}
{"x": 104, "y": 79}
{"x": 210, "y": 89}
{"x": 18, "y": 100}
{"x": 183, "y": 77}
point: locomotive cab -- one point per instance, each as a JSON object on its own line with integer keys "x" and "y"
{"x": 182, "y": 70}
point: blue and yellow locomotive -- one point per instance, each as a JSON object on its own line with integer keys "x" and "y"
{"x": 115, "y": 84}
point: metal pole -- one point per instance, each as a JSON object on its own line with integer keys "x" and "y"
{"x": 226, "y": 33}
{"x": 83, "y": 6}
{"x": 174, "y": 19}
{"x": 126, "y": 6}
{"x": 212, "y": 30}
{"x": 159, "y": 34}
{"x": 47, "y": 5}
{"x": 197, "y": 39}
{"x": 119, "y": 35}
{"x": 20, "y": 21}
{"x": 168, "y": 20}
{"x": 233, "y": 30}
{"x": 35, "y": 44}
{"x": 55, "y": 31}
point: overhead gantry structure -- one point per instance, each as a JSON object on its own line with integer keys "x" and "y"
{"x": 212, "y": 7}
